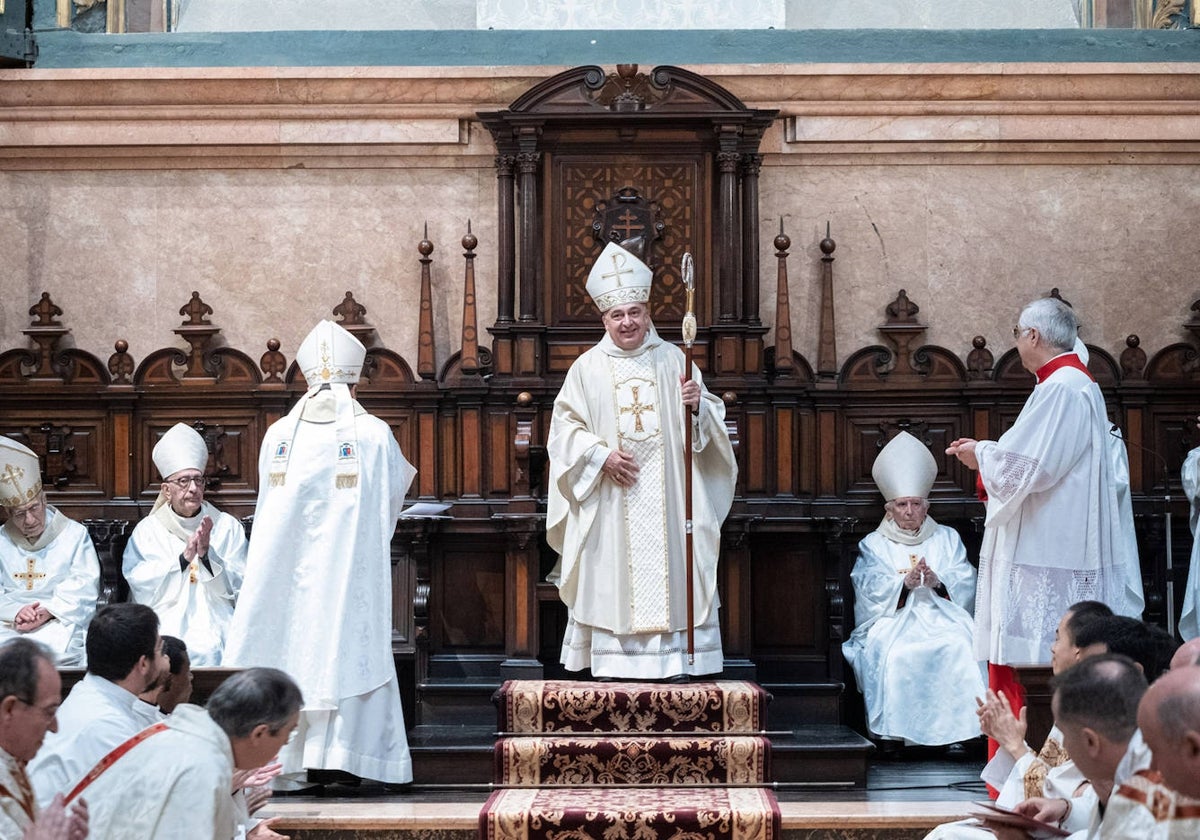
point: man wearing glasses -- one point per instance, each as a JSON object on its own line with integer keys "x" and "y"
{"x": 1056, "y": 531}
{"x": 186, "y": 559}
{"x": 49, "y": 574}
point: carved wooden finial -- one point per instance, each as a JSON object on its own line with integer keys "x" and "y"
{"x": 273, "y": 363}
{"x": 1133, "y": 358}
{"x": 783, "y": 313}
{"x": 1054, "y": 293}
{"x": 120, "y": 363}
{"x": 350, "y": 311}
{"x": 902, "y": 310}
{"x": 980, "y": 360}
{"x": 195, "y": 311}
{"x": 44, "y": 312}
{"x": 426, "y": 363}
{"x": 470, "y": 328}
{"x": 827, "y": 332}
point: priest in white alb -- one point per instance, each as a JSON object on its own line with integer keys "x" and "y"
{"x": 616, "y": 512}
{"x": 1056, "y": 531}
{"x": 317, "y": 601}
{"x": 187, "y": 558}
{"x": 1189, "y": 620}
{"x": 49, "y": 574}
{"x": 912, "y": 649}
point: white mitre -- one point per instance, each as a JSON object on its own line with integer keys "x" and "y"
{"x": 618, "y": 278}
{"x": 181, "y": 448}
{"x": 330, "y": 354}
{"x": 904, "y": 468}
{"x": 20, "y": 474}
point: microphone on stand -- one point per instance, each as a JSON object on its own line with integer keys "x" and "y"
{"x": 1116, "y": 432}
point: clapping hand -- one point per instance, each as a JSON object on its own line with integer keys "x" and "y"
{"x": 997, "y": 721}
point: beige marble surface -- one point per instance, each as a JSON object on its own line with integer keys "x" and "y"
{"x": 273, "y": 191}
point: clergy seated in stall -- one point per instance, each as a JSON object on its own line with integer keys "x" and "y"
{"x": 615, "y": 509}
{"x": 1189, "y": 620}
{"x": 173, "y": 781}
{"x": 912, "y": 650}
{"x": 1163, "y": 803}
{"x": 1095, "y": 705}
{"x": 49, "y": 574}
{"x": 317, "y": 601}
{"x": 30, "y": 691}
{"x": 186, "y": 559}
{"x": 103, "y": 710}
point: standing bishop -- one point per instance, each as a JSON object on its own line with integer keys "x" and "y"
{"x": 616, "y": 508}
{"x": 49, "y": 574}
{"x": 186, "y": 559}
{"x": 317, "y": 600}
{"x": 912, "y": 649}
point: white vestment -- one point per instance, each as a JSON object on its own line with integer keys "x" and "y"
{"x": 1144, "y": 808}
{"x": 97, "y": 716}
{"x": 622, "y": 568}
{"x": 18, "y": 807}
{"x": 195, "y": 604}
{"x": 174, "y": 785}
{"x": 915, "y": 664}
{"x": 317, "y": 599}
{"x": 60, "y": 571}
{"x": 1056, "y": 531}
{"x": 1189, "y": 619}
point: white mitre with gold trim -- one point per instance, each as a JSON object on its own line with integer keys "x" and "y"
{"x": 904, "y": 468}
{"x": 181, "y": 448}
{"x": 20, "y": 474}
{"x": 618, "y": 278}
{"x": 330, "y": 354}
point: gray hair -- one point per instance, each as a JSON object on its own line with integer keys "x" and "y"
{"x": 1101, "y": 693}
{"x": 253, "y": 697}
{"x": 19, "y": 668}
{"x": 1054, "y": 320}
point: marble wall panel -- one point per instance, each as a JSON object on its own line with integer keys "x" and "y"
{"x": 972, "y": 244}
{"x": 272, "y": 251}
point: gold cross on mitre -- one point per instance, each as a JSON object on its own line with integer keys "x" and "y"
{"x": 12, "y": 474}
{"x": 30, "y": 574}
{"x": 637, "y": 408}
{"x": 619, "y": 268}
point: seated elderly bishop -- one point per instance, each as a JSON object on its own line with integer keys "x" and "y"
{"x": 186, "y": 559}
{"x": 49, "y": 574}
{"x": 911, "y": 648}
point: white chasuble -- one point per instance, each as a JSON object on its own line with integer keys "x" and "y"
{"x": 18, "y": 808}
{"x": 317, "y": 599}
{"x": 1189, "y": 620}
{"x": 58, "y": 570}
{"x": 915, "y": 664}
{"x": 622, "y": 566}
{"x": 193, "y": 604}
{"x": 1056, "y": 531}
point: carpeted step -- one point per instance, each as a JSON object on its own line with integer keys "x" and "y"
{"x": 536, "y": 707}
{"x": 644, "y": 813}
{"x": 669, "y": 760}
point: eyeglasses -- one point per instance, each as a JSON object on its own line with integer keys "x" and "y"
{"x": 1018, "y": 331}
{"x": 187, "y": 481}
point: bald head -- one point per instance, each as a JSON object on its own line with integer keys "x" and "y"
{"x": 1186, "y": 654}
{"x": 1169, "y": 717}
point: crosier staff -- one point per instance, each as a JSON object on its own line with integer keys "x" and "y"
{"x": 688, "y": 331}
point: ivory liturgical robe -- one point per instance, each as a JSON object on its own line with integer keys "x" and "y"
{"x": 18, "y": 807}
{"x": 622, "y": 566}
{"x": 317, "y": 599}
{"x": 1189, "y": 620}
{"x": 194, "y": 604}
{"x": 97, "y": 716}
{"x": 915, "y": 664}
{"x": 174, "y": 785}
{"x": 1056, "y": 531}
{"x": 60, "y": 571}
{"x": 1145, "y": 808}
